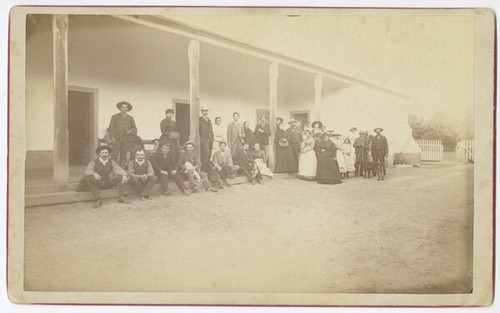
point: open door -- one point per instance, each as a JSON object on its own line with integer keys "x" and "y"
{"x": 81, "y": 126}
{"x": 182, "y": 119}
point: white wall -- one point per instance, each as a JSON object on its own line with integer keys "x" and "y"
{"x": 149, "y": 68}
{"x": 366, "y": 108}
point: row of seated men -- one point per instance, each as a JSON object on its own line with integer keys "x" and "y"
{"x": 166, "y": 164}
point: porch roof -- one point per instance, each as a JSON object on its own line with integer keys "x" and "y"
{"x": 172, "y": 26}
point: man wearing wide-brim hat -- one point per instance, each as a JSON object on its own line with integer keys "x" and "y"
{"x": 121, "y": 126}
{"x": 103, "y": 173}
{"x": 380, "y": 147}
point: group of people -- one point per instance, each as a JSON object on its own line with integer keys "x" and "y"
{"x": 308, "y": 150}
{"x": 327, "y": 156}
{"x": 123, "y": 161}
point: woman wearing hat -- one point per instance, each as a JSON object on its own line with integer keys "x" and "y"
{"x": 120, "y": 127}
{"x": 284, "y": 157}
{"x": 317, "y": 130}
{"x": 337, "y": 140}
{"x": 328, "y": 169}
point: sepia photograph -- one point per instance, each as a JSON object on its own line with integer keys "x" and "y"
{"x": 251, "y": 156}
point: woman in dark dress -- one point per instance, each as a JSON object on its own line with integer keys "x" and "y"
{"x": 284, "y": 156}
{"x": 328, "y": 168}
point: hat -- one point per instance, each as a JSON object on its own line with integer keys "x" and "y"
{"x": 103, "y": 147}
{"x": 189, "y": 142}
{"x": 292, "y": 121}
{"x": 381, "y": 129}
{"x": 119, "y": 104}
{"x": 317, "y": 122}
{"x": 353, "y": 129}
{"x": 169, "y": 111}
{"x": 204, "y": 108}
{"x": 325, "y": 134}
{"x": 166, "y": 144}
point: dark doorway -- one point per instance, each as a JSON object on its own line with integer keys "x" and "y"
{"x": 302, "y": 117}
{"x": 80, "y": 126}
{"x": 259, "y": 113}
{"x": 182, "y": 119}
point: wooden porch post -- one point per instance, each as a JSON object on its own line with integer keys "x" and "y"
{"x": 273, "y": 108}
{"x": 318, "y": 89}
{"x": 61, "y": 134}
{"x": 194, "y": 91}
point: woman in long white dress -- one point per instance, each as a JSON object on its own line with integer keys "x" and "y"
{"x": 219, "y": 134}
{"x": 349, "y": 157}
{"x": 337, "y": 140}
{"x": 307, "y": 159}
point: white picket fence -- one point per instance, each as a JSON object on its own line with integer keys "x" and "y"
{"x": 464, "y": 151}
{"x": 432, "y": 150}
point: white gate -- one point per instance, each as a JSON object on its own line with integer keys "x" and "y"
{"x": 465, "y": 151}
{"x": 432, "y": 150}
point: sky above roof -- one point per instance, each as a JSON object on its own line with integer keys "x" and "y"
{"x": 428, "y": 56}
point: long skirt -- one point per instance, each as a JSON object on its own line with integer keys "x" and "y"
{"x": 349, "y": 162}
{"x": 328, "y": 169}
{"x": 340, "y": 161}
{"x": 284, "y": 160}
{"x": 307, "y": 165}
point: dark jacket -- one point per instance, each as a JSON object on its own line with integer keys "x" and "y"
{"x": 262, "y": 137}
{"x": 120, "y": 124}
{"x": 295, "y": 136}
{"x": 206, "y": 130}
{"x": 244, "y": 159}
{"x": 380, "y": 145}
{"x": 167, "y": 163}
{"x": 249, "y": 137}
{"x": 166, "y": 126}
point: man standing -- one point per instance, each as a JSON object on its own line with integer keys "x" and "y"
{"x": 206, "y": 139}
{"x": 167, "y": 125}
{"x": 262, "y": 133}
{"x": 235, "y": 134}
{"x": 103, "y": 173}
{"x": 142, "y": 175}
{"x": 359, "y": 154}
{"x": 121, "y": 126}
{"x": 380, "y": 148}
{"x": 166, "y": 165}
{"x": 294, "y": 134}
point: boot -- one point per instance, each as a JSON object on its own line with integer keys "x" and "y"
{"x": 123, "y": 200}
{"x": 97, "y": 204}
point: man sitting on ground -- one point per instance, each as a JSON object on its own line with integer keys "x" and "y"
{"x": 103, "y": 173}
{"x": 244, "y": 160}
{"x": 190, "y": 164}
{"x": 166, "y": 164}
{"x": 223, "y": 163}
{"x": 142, "y": 175}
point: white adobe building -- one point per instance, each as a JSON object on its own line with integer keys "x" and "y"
{"x": 79, "y": 66}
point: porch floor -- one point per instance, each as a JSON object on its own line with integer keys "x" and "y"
{"x": 46, "y": 176}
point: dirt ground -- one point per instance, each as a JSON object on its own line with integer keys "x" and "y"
{"x": 411, "y": 233}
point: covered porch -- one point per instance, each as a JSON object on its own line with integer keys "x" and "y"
{"x": 156, "y": 63}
